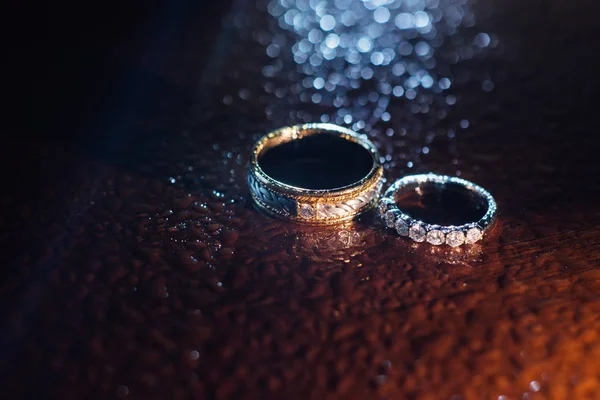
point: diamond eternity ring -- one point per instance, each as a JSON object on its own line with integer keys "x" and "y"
{"x": 318, "y": 174}
{"x": 465, "y": 211}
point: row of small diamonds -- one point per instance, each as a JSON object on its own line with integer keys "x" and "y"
{"x": 394, "y": 219}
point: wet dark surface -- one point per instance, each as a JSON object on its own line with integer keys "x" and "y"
{"x": 136, "y": 267}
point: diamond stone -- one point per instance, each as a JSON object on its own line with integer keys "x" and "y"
{"x": 435, "y": 237}
{"x": 473, "y": 235}
{"x": 417, "y": 233}
{"x": 390, "y": 218}
{"x": 455, "y": 238}
{"x": 384, "y": 205}
{"x": 307, "y": 211}
{"x": 382, "y": 209}
{"x": 401, "y": 227}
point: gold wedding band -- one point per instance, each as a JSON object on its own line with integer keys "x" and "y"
{"x": 317, "y": 174}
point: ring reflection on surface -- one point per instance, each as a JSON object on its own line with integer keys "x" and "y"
{"x": 316, "y": 174}
{"x": 438, "y": 209}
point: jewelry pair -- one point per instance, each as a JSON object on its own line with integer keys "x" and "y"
{"x": 324, "y": 174}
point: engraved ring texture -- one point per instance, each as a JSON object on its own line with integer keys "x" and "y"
{"x": 420, "y": 231}
{"x": 316, "y": 205}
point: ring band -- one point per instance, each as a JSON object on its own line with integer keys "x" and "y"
{"x": 287, "y": 177}
{"x": 420, "y": 231}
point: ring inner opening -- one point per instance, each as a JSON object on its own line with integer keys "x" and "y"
{"x": 441, "y": 203}
{"x": 319, "y": 161}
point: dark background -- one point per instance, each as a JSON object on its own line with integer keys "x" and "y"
{"x": 110, "y": 104}
{"x": 73, "y": 66}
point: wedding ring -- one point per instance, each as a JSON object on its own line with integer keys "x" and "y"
{"x": 463, "y": 211}
{"x": 317, "y": 174}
